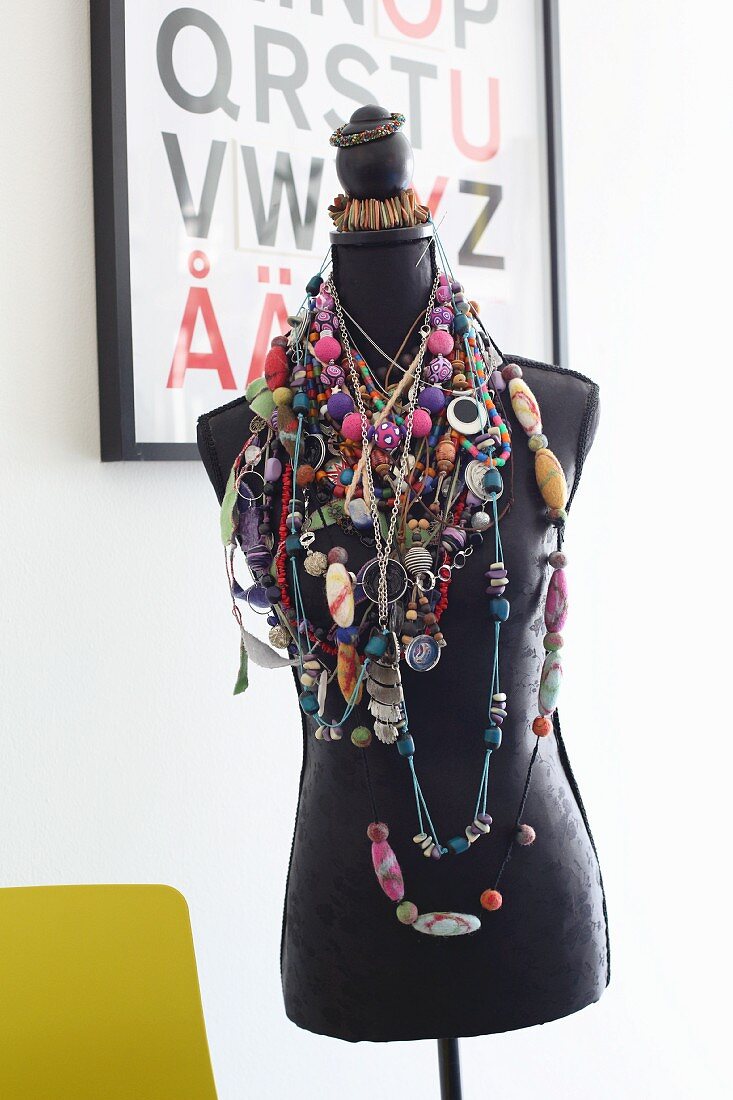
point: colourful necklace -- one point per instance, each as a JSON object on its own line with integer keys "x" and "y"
{"x": 415, "y": 472}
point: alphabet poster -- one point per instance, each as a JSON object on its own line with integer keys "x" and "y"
{"x": 229, "y": 107}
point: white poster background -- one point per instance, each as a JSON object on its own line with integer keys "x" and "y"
{"x": 355, "y": 54}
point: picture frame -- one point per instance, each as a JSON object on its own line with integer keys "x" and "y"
{"x": 123, "y": 390}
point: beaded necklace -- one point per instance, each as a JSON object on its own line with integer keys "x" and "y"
{"x": 416, "y": 473}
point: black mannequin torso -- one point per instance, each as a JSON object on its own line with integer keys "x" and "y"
{"x": 349, "y": 969}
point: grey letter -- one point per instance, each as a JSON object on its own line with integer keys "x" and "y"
{"x": 197, "y": 222}
{"x": 415, "y": 71}
{"x": 345, "y": 87}
{"x": 466, "y": 254}
{"x": 466, "y": 15}
{"x": 218, "y": 96}
{"x": 266, "y": 227}
{"x": 265, "y": 80}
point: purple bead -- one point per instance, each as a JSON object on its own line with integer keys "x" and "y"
{"x": 442, "y": 294}
{"x": 486, "y": 819}
{"x": 273, "y": 469}
{"x": 456, "y": 536}
{"x": 432, "y": 399}
{"x": 495, "y": 574}
{"x": 436, "y": 852}
{"x": 441, "y": 315}
{"x": 498, "y": 382}
{"x": 438, "y": 369}
{"x": 340, "y": 405}
{"x": 474, "y": 831}
{"x": 334, "y": 374}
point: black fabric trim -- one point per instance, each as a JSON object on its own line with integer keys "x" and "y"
{"x": 565, "y": 762}
{"x": 304, "y": 728}
{"x": 206, "y": 435}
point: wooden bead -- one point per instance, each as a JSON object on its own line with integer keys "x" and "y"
{"x": 542, "y": 726}
{"x": 550, "y": 479}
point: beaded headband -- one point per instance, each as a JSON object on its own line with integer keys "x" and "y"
{"x": 338, "y": 137}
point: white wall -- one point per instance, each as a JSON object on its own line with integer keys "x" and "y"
{"x": 124, "y": 756}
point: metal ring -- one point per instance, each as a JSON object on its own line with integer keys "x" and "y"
{"x": 456, "y": 563}
{"x": 444, "y": 572}
{"x": 249, "y": 605}
{"x": 420, "y": 581}
{"x": 251, "y": 473}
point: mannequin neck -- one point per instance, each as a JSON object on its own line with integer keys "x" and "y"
{"x": 383, "y": 280}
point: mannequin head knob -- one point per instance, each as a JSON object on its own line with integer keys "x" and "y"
{"x": 375, "y": 169}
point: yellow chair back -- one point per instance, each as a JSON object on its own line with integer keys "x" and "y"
{"x": 99, "y": 996}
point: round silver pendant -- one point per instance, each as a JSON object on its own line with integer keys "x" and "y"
{"x": 474, "y": 477}
{"x": 313, "y": 451}
{"x": 422, "y": 653}
{"x": 395, "y": 577}
{"x": 467, "y": 415}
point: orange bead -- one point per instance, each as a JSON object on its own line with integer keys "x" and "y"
{"x": 542, "y": 726}
{"x": 491, "y": 900}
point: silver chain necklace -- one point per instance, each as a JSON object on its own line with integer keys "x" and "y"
{"x": 384, "y": 548}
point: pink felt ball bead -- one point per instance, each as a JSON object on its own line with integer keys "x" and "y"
{"x": 421, "y": 423}
{"x": 440, "y": 342}
{"x": 351, "y": 426}
{"x": 326, "y": 348}
{"x": 525, "y": 835}
{"x": 377, "y": 832}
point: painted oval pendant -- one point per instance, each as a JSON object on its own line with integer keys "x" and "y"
{"x": 447, "y": 924}
{"x": 422, "y": 653}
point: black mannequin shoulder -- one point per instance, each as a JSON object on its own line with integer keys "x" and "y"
{"x": 570, "y": 404}
{"x": 220, "y": 435}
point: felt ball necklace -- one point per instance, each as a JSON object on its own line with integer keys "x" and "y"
{"x": 319, "y": 399}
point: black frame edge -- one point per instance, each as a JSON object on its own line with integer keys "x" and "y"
{"x": 556, "y": 196}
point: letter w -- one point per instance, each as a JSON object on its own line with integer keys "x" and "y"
{"x": 266, "y": 227}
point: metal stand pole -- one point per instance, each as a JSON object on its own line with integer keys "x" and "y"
{"x": 449, "y": 1068}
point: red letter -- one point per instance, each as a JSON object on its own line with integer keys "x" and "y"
{"x": 474, "y": 152}
{"x": 414, "y": 30}
{"x": 272, "y": 307}
{"x": 184, "y": 359}
{"x": 435, "y": 197}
